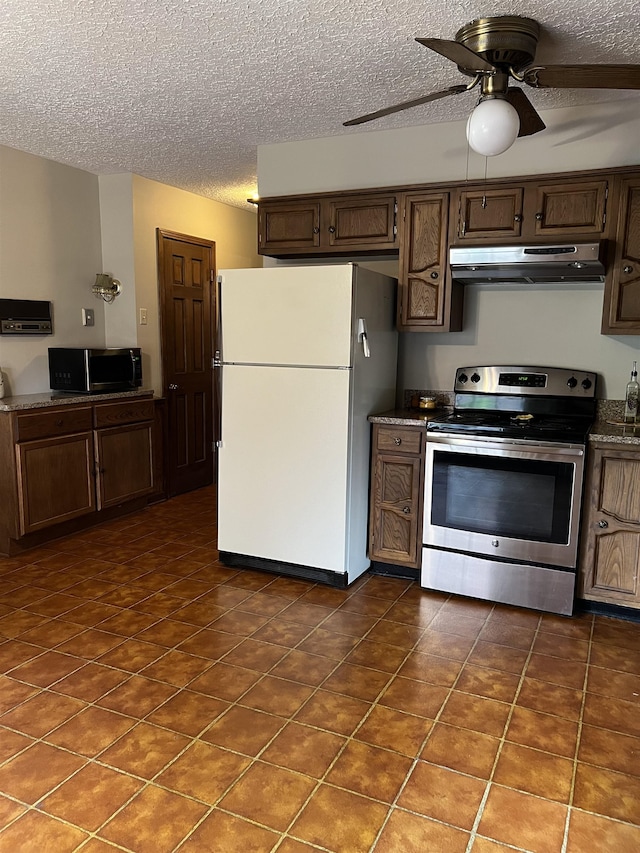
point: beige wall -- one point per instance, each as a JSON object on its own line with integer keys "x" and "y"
{"x": 49, "y": 249}
{"x": 59, "y": 226}
{"x": 550, "y": 325}
{"x": 158, "y": 206}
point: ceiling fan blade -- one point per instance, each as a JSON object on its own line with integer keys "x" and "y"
{"x": 530, "y": 121}
{"x": 458, "y": 53}
{"x": 406, "y": 105}
{"x": 584, "y": 77}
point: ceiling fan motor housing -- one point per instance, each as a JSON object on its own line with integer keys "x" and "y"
{"x": 508, "y": 41}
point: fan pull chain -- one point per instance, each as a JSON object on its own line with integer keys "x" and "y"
{"x": 484, "y": 197}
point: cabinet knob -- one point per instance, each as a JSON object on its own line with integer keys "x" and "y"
{"x": 332, "y": 229}
{"x": 173, "y": 387}
{"x": 316, "y": 230}
{"x": 539, "y": 217}
{"x": 627, "y": 269}
{"x": 603, "y": 523}
{"x": 59, "y": 422}
{"x": 406, "y": 509}
{"x": 517, "y": 217}
{"x": 434, "y": 274}
{"x": 397, "y": 441}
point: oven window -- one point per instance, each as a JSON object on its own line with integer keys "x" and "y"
{"x": 517, "y": 498}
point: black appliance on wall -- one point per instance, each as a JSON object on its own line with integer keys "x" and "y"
{"x": 25, "y": 317}
{"x": 94, "y": 371}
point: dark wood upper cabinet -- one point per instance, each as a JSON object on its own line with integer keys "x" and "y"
{"x": 427, "y": 299}
{"x": 562, "y": 209}
{"x": 489, "y": 213}
{"x": 621, "y": 314}
{"x": 288, "y": 226}
{"x": 570, "y": 208}
{"x": 353, "y": 223}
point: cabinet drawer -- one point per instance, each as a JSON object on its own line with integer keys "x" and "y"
{"x": 115, "y": 414}
{"x": 50, "y": 423}
{"x": 399, "y": 439}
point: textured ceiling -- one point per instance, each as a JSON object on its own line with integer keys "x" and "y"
{"x": 183, "y": 91}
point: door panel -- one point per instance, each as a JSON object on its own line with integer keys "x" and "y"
{"x": 186, "y": 270}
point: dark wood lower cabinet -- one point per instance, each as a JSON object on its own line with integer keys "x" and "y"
{"x": 397, "y": 478}
{"x": 64, "y": 467}
{"x": 610, "y": 559}
{"x": 55, "y": 480}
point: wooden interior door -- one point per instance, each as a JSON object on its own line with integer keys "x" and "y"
{"x": 186, "y": 276}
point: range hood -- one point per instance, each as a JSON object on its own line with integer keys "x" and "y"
{"x": 527, "y": 264}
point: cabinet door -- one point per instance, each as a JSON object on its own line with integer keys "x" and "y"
{"x": 569, "y": 209}
{"x": 427, "y": 300}
{"x": 395, "y": 529}
{"x": 361, "y": 222}
{"x": 289, "y": 227}
{"x": 124, "y": 462}
{"x": 621, "y": 314}
{"x": 55, "y": 480}
{"x": 490, "y": 213}
{"x": 612, "y": 553}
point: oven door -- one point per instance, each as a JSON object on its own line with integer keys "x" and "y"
{"x": 503, "y": 498}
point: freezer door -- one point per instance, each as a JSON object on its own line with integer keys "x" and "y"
{"x": 287, "y": 315}
{"x": 284, "y": 466}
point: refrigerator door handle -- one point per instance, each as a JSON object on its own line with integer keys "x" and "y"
{"x": 363, "y": 338}
{"x": 217, "y": 365}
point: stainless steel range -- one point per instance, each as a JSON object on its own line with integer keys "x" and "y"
{"x": 503, "y": 486}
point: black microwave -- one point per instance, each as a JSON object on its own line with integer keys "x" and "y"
{"x": 94, "y": 371}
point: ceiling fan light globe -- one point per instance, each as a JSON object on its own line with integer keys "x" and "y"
{"x": 492, "y": 127}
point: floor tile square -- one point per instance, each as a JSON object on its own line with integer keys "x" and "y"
{"x": 277, "y": 696}
{"x": 155, "y": 821}
{"x": 36, "y": 831}
{"x": 443, "y": 795}
{"x": 335, "y": 713}
{"x": 476, "y": 713}
{"x": 529, "y": 822}
{"x": 36, "y": 771}
{"x": 222, "y": 833}
{"x": 90, "y": 797}
{"x": 188, "y": 713}
{"x": 205, "y": 772}
{"x": 243, "y": 730}
{"x": 371, "y": 771}
{"x": 591, "y": 832}
{"x": 411, "y": 833}
{"x": 247, "y": 799}
{"x": 534, "y": 772}
{"x": 303, "y": 749}
{"x": 144, "y": 750}
{"x": 393, "y": 729}
{"x": 459, "y": 749}
{"x": 91, "y": 731}
{"x": 340, "y": 821}
{"x": 607, "y": 793}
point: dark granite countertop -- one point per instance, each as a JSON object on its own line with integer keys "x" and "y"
{"x": 615, "y": 432}
{"x": 407, "y": 417}
{"x": 55, "y": 398}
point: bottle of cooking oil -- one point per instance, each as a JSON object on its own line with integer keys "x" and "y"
{"x": 631, "y": 398}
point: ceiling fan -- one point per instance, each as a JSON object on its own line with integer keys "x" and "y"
{"x": 493, "y": 50}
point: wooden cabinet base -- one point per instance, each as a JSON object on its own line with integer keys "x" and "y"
{"x": 70, "y": 467}
{"x": 14, "y": 547}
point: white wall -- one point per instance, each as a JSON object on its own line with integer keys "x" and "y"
{"x": 49, "y": 249}
{"x": 545, "y": 325}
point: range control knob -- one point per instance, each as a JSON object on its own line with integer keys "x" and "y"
{"x": 572, "y": 382}
{"x": 586, "y": 384}
{"x": 462, "y": 378}
{"x": 475, "y": 377}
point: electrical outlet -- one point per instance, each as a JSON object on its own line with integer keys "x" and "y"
{"x": 143, "y": 316}
{"x": 88, "y": 318}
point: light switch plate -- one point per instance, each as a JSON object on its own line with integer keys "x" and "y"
{"x": 143, "y": 316}
{"x": 88, "y": 318}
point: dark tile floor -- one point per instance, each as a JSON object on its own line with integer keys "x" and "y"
{"x": 152, "y": 700}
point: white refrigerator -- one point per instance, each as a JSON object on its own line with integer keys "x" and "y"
{"x": 306, "y": 353}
